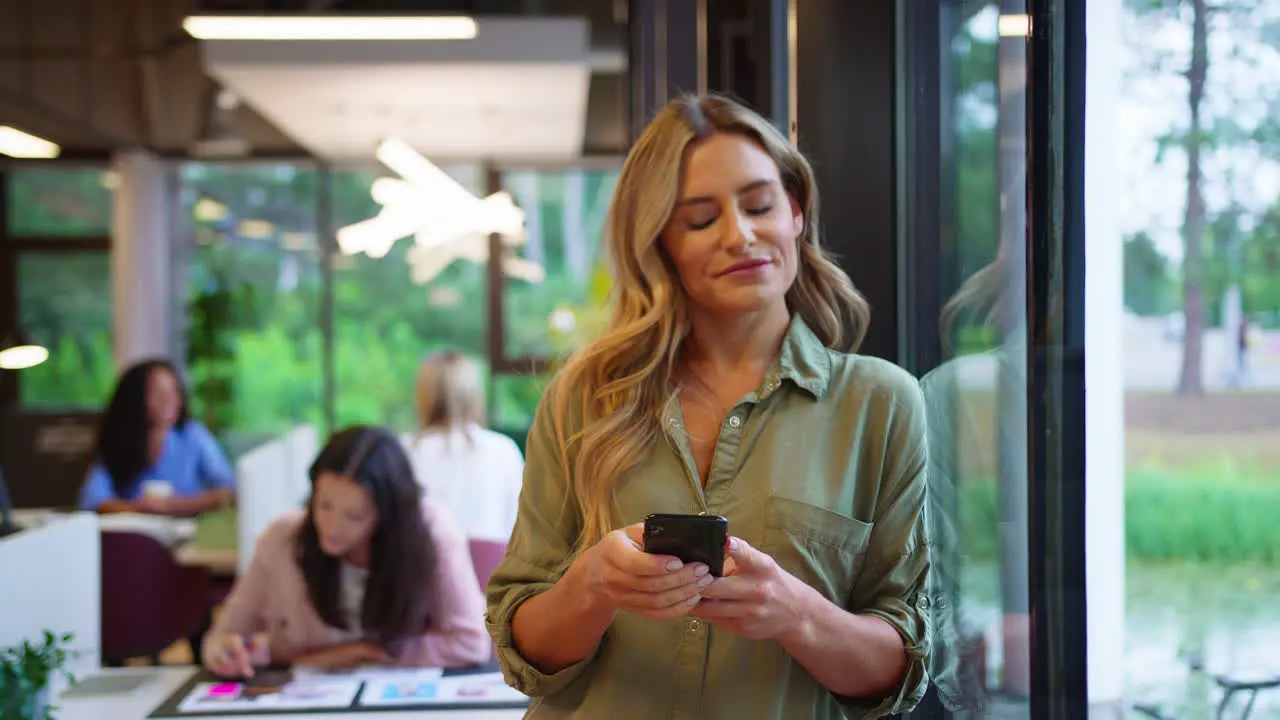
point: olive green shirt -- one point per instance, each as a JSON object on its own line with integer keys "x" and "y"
{"x": 822, "y": 467}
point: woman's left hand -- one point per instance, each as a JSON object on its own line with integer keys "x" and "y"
{"x": 755, "y": 598}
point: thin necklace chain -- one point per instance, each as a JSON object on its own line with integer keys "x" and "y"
{"x": 708, "y": 401}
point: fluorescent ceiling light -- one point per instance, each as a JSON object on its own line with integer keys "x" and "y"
{"x": 328, "y": 27}
{"x": 15, "y": 143}
{"x": 21, "y": 357}
{"x": 1014, "y": 25}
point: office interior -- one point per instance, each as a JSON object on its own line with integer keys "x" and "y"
{"x": 178, "y": 188}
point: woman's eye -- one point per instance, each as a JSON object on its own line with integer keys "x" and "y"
{"x": 762, "y": 210}
{"x": 701, "y": 223}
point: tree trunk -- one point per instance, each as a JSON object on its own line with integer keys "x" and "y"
{"x": 1190, "y": 381}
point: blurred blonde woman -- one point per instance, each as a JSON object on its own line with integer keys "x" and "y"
{"x": 724, "y": 383}
{"x": 472, "y": 471}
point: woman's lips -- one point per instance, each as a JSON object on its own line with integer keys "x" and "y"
{"x": 745, "y": 266}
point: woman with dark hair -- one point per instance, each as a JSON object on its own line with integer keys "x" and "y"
{"x": 371, "y": 573}
{"x": 153, "y": 458}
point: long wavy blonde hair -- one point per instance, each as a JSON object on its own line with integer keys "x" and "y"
{"x": 621, "y": 380}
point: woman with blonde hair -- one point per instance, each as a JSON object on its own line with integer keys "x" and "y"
{"x": 725, "y": 383}
{"x": 472, "y": 471}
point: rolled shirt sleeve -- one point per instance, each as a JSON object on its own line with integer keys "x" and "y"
{"x": 540, "y": 550}
{"x": 891, "y": 586}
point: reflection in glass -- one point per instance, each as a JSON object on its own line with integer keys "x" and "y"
{"x": 564, "y": 216}
{"x": 253, "y": 338}
{"x": 385, "y": 321}
{"x": 59, "y": 201}
{"x": 64, "y": 303}
{"x": 978, "y": 397}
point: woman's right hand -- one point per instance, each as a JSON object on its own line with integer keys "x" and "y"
{"x": 232, "y": 655}
{"x": 659, "y": 587}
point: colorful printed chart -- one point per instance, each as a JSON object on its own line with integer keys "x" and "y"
{"x": 369, "y": 689}
{"x": 479, "y": 689}
{"x": 302, "y": 694}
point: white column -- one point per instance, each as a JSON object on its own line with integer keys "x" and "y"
{"x": 140, "y": 261}
{"x": 1104, "y": 362}
{"x": 528, "y": 192}
{"x": 575, "y": 236}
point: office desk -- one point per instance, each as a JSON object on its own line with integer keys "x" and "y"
{"x": 139, "y": 704}
{"x": 213, "y": 544}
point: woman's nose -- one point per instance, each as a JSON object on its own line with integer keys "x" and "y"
{"x": 739, "y": 232}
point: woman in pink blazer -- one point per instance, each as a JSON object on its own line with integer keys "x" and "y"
{"x": 371, "y": 573}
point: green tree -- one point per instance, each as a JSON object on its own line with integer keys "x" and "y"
{"x": 1149, "y": 285}
{"x": 59, "y": 201}
{"x": 1202, "y": 134}
{"x": 383, "y": 322}
{"x": 1261, "y": 262}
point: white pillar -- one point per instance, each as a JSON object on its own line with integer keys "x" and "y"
{"x": 140, "y": 259}
{"x": 1104, "y": 362}
{"x": 528, "y": 192}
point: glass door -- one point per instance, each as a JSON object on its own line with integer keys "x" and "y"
{"x": 991, "y": 298}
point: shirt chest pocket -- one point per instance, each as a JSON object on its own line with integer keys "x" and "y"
{"x": 823, "y": 548}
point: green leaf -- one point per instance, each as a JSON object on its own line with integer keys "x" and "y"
{"x": 1173, "y": 139}
{"x": 1148, "y": 6}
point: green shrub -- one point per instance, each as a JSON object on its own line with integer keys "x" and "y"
{"x": 1201, "y": 517}
{"x": 1168, "y": 517}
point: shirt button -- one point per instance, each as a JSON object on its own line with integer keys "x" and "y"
{"x": 674, "y": 422}
{"x": 735, "y": 421}
{"x": 694, "y": 625}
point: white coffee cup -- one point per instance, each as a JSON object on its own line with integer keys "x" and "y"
{"x": 157, "y": 488}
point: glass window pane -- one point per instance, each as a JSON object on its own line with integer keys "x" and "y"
{"x": 59, "y": 201}
{"x": 556, "y": 286}
{"x": 1182, "y": 153}
{"x": 515, "y": 397}
{"x": 978, "y": 395}
{"x": 390, "y": 311}
{"x": 253, "y": 338}
{"x": 64, "y": 302}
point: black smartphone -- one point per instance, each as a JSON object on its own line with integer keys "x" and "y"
{"x": 692, "y": 538}
{"x": 266, "y": 681}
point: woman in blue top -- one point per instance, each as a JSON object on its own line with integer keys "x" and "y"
{"x": 146, "y": 443}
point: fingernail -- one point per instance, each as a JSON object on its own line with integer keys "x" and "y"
{"x": 693, "y": 600}
{"x": 705, "y": 580}
{"x": 733, "y": 543}
{"x": 699, "y": 570}
{"x": 675, "y": 565}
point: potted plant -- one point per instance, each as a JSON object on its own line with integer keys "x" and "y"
{"x": 25, "y": 672}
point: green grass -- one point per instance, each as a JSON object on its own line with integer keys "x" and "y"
{"x": 1224, "y": 517}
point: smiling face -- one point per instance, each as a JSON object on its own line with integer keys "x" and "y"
{"x": 164, "y": 398}
{"x": 344, "y": 515}
{"x": 732, "y": 236}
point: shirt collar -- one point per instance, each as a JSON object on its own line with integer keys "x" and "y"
{"x": 804, "y": 360}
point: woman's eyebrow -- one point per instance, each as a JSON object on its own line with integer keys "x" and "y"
{"x": 753, "y": 185}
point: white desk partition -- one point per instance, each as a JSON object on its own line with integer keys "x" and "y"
{"x": 271, "y": 479}
{"x": 50, "y": 579}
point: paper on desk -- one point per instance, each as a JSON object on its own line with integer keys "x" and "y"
{"x": 477, "y": 689}
{"x": 168, "y": 531}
